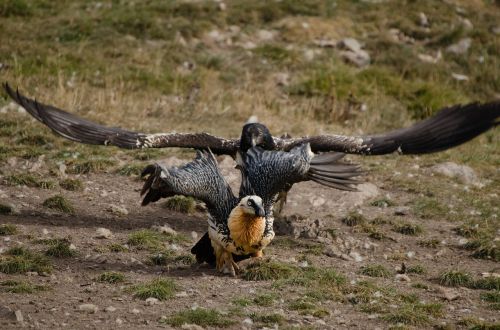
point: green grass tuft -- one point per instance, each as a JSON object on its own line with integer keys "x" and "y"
{"x": 269, "y": 270}
{"x": 200, "y": 316}
{"x": 22, "y": 260}
{"x": 21, "y": 287}
{"x": 416, "y": 314}
{"x": 97, "y": 165}
{"x": 353, "y": 219}
{"x": 59, "y": 203}
{"x": 375, "y": 271}
{"x": 160, "y": 288}
{"x": 455, "y": 278}
{"x": 265, "y": 300}
{"x": 383, "y": 202}
{"x": 111, "y": 277}
{"x": 429, "y": 243}
{"x": 71, "y": 184}
{"x": 5, "y": 209}
{"x": 486, "y": 283}
{"x": 60, "y": 249}
{"x": 417, "y": 269}
{"x": 130, "y": 170}
{"x": 493, "y": 297}
{"x": 267, "y": 318}
{"x": 28, "y": 180}
{"x": 115, "y": 247}
{"x": 408, "y": 229}
{"x": 180, "y": 204}
{"x": 147, "y": 239}
{"x": 8, "y": 229}
{"x": 426, "y": 208}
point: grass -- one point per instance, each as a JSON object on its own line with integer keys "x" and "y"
{"x": 71, "y": 184}
{"x": 60, "y": 248}
{"x": 455, "y": 278}
{"x": 21, "y": 287}
{"x": 59, "y": 203}
{"x": 417, "y": 269}
{"x": 429, "y": 243}
{"x": 267, "y": 319}
{"x": 5, "y": 209}
{"x": 111, "y": 277}
{"x": 28, "y": 180}
{"x": 200, "y": 316}
{"x": 167, "y": 257}
{"x": 382, "y": 202}
{"x": 374, "y": 271}
{"x": 180, "y": 204}
{"x": 147, "y": 239}
{"x": 7, "y": 229}
{"x": 115, "y": 247}
{"x": 354, "y": 219}
{"x": 21, "y": 260}
{"x": 265, "y": 300}
{"x": 416, "y": 314}
{"x": 269, "y": 270}
{"x": 427, "y": 207}
{"x": 160, "y": 288}
{"x": 408, "y": 229}
{"x": 95, "y": 165}
{"x": 130, "y": 170}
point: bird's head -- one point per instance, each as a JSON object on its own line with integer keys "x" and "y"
{"x": 255, "y": 134}
{"x": 252, "y": 205}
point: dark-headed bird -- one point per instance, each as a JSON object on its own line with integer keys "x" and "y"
{"x": 450, "y": 127}
{"x": 242, "y": 226}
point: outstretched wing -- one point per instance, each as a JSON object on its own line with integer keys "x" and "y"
{"x": 266, "y": 173}
{"x": 84, "y": 131}
{"x": 450, "y": 127}
{"x": 200, "y": 179}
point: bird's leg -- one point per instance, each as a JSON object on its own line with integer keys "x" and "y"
{"x": 280, "y": 203}
{"x": 224, "y": 260}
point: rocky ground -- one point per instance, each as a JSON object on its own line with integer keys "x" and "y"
{"x": 365, "y": 238}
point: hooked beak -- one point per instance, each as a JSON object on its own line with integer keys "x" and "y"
{"x": 260, "y": 212}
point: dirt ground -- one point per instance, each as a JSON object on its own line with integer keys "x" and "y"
{"x": 72, "y": 282}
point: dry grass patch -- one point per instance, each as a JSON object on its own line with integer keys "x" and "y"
{"x": 180, "y": 204}
{"x": 111, "y": 277}
{"x": 7, "y": 229}
{"x": 201, "y": 317}
{"x": 21, "y": 287}
{"x": 21, "y": 260}
{"x": 59, "y": 203}
{"x": 160, "y": 288}
{"x": 71, "y": 184}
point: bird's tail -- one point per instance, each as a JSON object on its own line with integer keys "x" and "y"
{"x": 329, "y": 170}
{"x": 155, "y": 186}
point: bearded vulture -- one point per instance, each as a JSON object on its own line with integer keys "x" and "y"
{"x": 243, "y": 226}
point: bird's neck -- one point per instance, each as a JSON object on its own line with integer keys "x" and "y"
{"x": 245, "y": 229}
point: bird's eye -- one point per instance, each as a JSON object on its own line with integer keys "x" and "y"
{"x": 249, "y": 203}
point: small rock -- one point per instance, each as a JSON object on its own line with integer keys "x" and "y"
{"x": 460, "y": 47}
{"x": 496, "y": 30}
{"x": 333, "y": 251}
{"x": 459, "y": 77}
{"x": 194, "y": 235}
{"x": 119, "y": 321}
{"x": 282, "y": 79}
{"x": 152, "y": 301}
{"x": 431, "y": 59}
{"x": 410, "y": 254}
{"x": 448, "y": 294}
{"x": 325, "y": 43}
{"x": 467, "y": 24}
{"x": 463, "y": 173}
{"x": 247, "y": 323}
{"x": 19, "y": 316}
{"x": 360, "y": 59}
{"x": 103, "y": 233}
{"x": 135, "y": 311}
{"x": 423, "y": 19}
{"x": 356, "y": 256}
{"x": 350, "y": 44}
{"x": 45, "y": 231}
{"x": 318, "y": 201}
{"x": 265, "y": 35}
{"x": 402, "y": 278}
{"x": 165, "y": 229}
{"x": 110, "y": 309}
{"x": 303, "y": 264}
{"x": 89, "y": 308}
{"x": 31, "y": 273}
{"x": 117, "y": 210}
{"x": 402, "y": 210}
